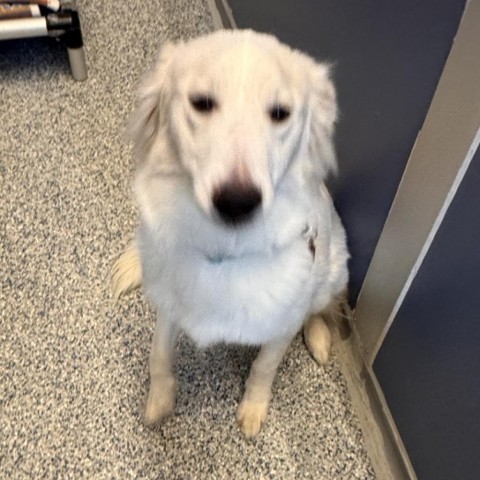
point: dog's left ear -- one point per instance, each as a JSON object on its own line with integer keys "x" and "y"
{"x": 323, "y": 116}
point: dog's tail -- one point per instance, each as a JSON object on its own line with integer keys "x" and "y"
{"x": 126, "y": 273}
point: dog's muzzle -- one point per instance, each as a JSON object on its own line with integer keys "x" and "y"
{"x": 236, "y": 203}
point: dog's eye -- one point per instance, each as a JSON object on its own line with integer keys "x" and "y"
{"x": 203, "y": 103}
{"x": 279, "y": 113}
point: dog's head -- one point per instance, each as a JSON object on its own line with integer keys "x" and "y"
{"x": 235, "y": 110}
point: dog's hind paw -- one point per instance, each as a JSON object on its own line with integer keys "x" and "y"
{"x": 251, "y": 416}
{"x": 318, "y": 339}
{"x": 126, "y": 272}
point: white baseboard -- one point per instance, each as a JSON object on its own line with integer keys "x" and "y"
{"x": 385, "y": 447}
{"x": 222, "y": 14}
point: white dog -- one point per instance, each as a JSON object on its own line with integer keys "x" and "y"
{"x": 239, "y": 241}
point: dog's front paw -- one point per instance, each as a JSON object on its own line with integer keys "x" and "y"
{"x": 160, "y": 404}
{"x": 251, "y": 416}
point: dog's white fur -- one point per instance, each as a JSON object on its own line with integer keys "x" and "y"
{"x": 252, "y": 283}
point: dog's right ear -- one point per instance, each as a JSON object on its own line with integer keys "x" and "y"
{"x": 149, "y": 115}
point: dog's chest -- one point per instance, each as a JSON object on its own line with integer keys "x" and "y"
{"x": 250, "y": 299}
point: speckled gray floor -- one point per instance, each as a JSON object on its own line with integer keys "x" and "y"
{"x": 73, "y": 366}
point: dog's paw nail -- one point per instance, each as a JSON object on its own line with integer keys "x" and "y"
{"x": 156, "y": 415}
{"x": 320, "y": 355}
{"x": 251, "y": 416}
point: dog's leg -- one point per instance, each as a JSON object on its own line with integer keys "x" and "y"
{"x": 318, "y": 338}
{"x": 253, "y": 408}
{"x": 126, "y": 272}
{"x": 161, "y": 396}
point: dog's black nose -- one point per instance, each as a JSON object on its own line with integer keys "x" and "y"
{"x": 236, "y": 203}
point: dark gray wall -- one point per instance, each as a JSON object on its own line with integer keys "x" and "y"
{"x": 429, "y": 364}
{"x": 388, "y": 58}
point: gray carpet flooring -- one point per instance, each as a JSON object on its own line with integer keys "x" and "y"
{"x": 73, "y": 365}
